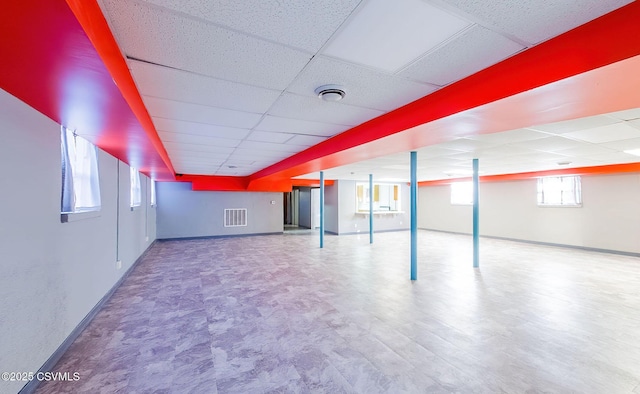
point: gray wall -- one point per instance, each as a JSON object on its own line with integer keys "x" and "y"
{"x": 304, "y": 218}
{"x": 609, "y": 218}
{"x": 184, "y": 213}
{"x": 341, "y": 216}
{"x": 54, "y": 273}
{"x": 332, "y": 208}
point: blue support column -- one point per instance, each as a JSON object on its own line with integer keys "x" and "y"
{"x": 321, "y": 209}
{"x": 476, "y": 215}
{"x": 414, "y": 216}
{"x": 370, "y": 208}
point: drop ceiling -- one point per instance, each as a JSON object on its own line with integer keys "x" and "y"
{"x": 230, "y": 85}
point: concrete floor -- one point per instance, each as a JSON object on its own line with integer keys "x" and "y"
{"x": 278, "y": 314}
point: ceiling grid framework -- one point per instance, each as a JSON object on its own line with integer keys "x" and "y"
{"x": 194, "y": 90}
{"x": 218, "y": 118}
{"x": 228, "y": 87}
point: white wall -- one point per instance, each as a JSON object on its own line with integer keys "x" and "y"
{"x": 54, "y": 273}
{"x": 608, "y": 219}
{"x": 184, "y": 213}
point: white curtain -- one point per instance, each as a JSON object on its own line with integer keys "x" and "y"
{"x": 80, "y": 179}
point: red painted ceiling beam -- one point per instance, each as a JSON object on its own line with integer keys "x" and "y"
{"x": 594, "y": 170}
{"x": 92, "y": 20}
{"x": 603, "y": 41}
{"x": 50, "y": 63}
{"x": 311, "y": 182}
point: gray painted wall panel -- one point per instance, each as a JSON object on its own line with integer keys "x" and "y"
{"x": 184, "y": 213}
{"x": 304, "y": 219}
{"x": 53, "y": 273}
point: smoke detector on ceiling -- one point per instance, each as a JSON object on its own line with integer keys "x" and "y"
{"x": 330, "y": 92}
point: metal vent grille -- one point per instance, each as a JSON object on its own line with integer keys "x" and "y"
{"x": 235, "y": 217}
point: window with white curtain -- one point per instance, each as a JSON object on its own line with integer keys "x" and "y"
{"x": 152, "y": 198}
{"x": 136, "y": 191}
{"x": 559, "y": 191}
{"x": 80, "y": 179}
{"x": 462, "y": 193}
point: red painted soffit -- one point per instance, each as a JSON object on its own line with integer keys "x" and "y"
{"x": 543, "y": 84}
{"x": 63, "y": 62}
{"x": 595, "y": 170}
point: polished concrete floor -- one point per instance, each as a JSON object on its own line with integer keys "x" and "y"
{"x": 279, "y": 314}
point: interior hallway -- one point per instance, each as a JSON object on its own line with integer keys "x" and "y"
{"x": 278, "y": 314}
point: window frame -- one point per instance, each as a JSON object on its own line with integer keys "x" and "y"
{"x": 135, "y": 188}
{"x": 80, "y": 195}
{"x": 565, "y": 181}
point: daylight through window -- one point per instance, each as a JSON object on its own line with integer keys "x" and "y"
{"x": 80, "y": 180}
{"x": 559, "y": 191}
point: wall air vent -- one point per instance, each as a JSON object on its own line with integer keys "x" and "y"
{"x": 235, "y": 217}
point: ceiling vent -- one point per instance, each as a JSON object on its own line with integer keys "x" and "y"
{"x": 330, "y": 92}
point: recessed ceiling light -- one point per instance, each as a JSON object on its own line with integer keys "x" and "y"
{"x": 330, "y": 92}
{"x": 635, "y": 152}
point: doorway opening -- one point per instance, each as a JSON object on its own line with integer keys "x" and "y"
{"x": 301, "y": 208}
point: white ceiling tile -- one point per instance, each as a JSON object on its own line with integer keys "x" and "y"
{"x": 180, "y": 147}
{"x": 507, "y": 137}
{"x": 306, "y": 24}
{"x": 305, "y": 140}
{"x": 623, "y": 145}
{"x": 467, "y": 54}
{"x": 313, "y": 109}
{"x": 549, "y": 144}
{"x": 363, "y": 87}
{"x": 616, "y": 158}
{"x": 429, "y": 152}
{"x": 232, "y": 161}
{"x": 259, "y": 155}
{"x": 614, "y": 132}
{"x": 628, "y": 114}
{"x": 200, "y": 113}
{"x": 267, "y": 136}
{"x": 178, "y": 153}
{"x": 195, "y": 169}
{"x": 568, "y": 126}
{"x": 201, "y": 162}
{"x": 397, "y": 33}
{"x": 163, "y": 82}
{"x": 268, "y": 146}
{"x": 179, "y": 126}
{"x": 501, "y": 151}
{"x": 465, "y": 144}
{"x": 297, "y": 126}
{"x": 164, "y": 37}
{"x": 197, "y": 139}
{"x": 536, "y": 21}
{"x": 585, "y": 150}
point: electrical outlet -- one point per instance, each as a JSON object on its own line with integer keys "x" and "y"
{"x": 146, "y": 239}
{"x": 118, "y": 264}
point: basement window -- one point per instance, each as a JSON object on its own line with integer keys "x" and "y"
{"x": 80, "y": 178}
{"x": 136, "y": 192}
{"x": 560, "y": 191}
{"x": 462, "y": 193}
{"x": 152, "y": 198}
